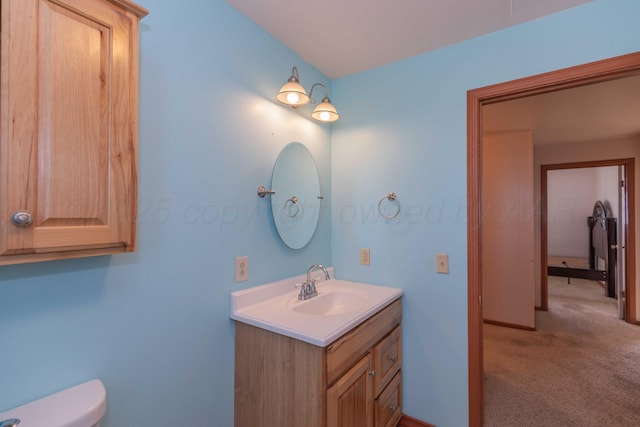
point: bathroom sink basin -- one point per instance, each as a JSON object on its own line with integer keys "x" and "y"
{"x": 339, "y": 306}
{"x": 329, "y": 303}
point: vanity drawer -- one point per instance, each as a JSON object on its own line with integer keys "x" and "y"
{"x": 344, "y": 352}
{"x": 388, "y": 407}
{"x": 387, "y": 359}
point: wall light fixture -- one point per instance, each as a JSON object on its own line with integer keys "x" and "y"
{"x": 293, "y": 94}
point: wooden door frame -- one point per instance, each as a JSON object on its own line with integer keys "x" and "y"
{"x": 630, "y": 253}
{"x": 580, "y": 75}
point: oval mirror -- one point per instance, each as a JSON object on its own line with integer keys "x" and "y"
{"x": 296, "y": 202}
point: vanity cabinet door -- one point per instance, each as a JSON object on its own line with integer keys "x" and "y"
{"x": 350, "y": 399}
{"x": 68, "y": 138}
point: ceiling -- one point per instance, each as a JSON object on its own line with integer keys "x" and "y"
{"x": 594, "y": 112}
{"x": 343, "y": 37}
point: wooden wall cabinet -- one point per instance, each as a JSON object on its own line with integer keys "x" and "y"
{"x": 356, "y": 381}
{"x": 68, "y": 128}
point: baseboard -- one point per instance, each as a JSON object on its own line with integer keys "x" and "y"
{"x": 407, "y": 421}
{"x": 508, "y": 325}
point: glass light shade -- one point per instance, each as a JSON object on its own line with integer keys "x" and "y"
{"x": 292, "y": 93}
{"x": 325, "y": 111}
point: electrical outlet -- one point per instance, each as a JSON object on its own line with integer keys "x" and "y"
{"x": 242, "y": 268}
{"x": 365, "y": 256}
{"x": 442, "y": 263}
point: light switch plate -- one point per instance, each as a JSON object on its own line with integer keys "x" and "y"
{"x": 442, "y": 263}
{"x": 242, "y": 268}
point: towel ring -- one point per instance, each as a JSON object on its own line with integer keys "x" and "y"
{"x": 287, "y": 208}
{"x": 392, "y": 198}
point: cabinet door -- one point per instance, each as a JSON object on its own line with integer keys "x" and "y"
{"x": 350, "y": 399}
{"x": 68, "y": 143}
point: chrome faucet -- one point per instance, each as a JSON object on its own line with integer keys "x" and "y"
{"x": 308, "y": 288}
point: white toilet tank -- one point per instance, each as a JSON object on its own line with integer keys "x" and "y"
{"x": 83, "y": 405}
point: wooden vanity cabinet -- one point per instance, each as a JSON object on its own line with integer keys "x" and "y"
{"x": 355, "y": 381}
{"x": 68, "y": 128}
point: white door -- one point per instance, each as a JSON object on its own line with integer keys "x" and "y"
{"x": 623, "y": 223}
{"x": 508, "y": 284}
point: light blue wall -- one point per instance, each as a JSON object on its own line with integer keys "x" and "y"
{"x": 154, "y": 325}
{"x": 403, "y": 129}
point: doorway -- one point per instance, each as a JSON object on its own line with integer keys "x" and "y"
{"x": 599, "y": 71}
{"x": 626, "y": 226}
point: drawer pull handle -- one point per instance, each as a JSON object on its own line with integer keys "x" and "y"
{"x": 393, "y": 407}
{"x": 394, "y": 359}
{"x": 372, "y": 373}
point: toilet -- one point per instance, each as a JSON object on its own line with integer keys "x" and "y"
{"x": 83, "y": 405}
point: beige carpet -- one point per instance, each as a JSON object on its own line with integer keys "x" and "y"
{"x": 581, "y": 367}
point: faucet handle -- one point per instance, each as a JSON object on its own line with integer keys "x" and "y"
{"x": 304, "y": 291}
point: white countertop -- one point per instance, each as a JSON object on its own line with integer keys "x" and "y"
{"x": 275, "y": 307}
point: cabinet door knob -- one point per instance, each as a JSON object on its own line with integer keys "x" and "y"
{"x": 393, "y": 358}
{"x": 372, "y": 373}
{"x": 393, "y": 407}
{"x": 21, "y": 219}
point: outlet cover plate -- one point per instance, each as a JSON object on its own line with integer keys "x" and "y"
{"x": 365, "y": 256}
{"x": 242, "y": 268}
